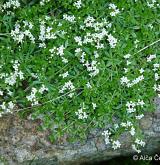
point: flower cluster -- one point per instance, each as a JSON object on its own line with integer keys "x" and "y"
{"x": 114, "y": 9}
{"x": 60, "y": 52}
{"x": 32, "y": 97}
{"x": 151, "y": 57}
{"x": 153, "y": 4}
{"x": 92, "y": 68}
{"x": 81, "y": 114}
{"x": 106, "y": 134}
{"x": 68, "y": 86}
{"x": 78, "y": 4}
{"x": 19, "y": 35}
{"x": 70, "y": 18}
{"x": 129, "y": 83}
{"x": 43, "y": 2}
{"x": 131, "y": 106}
{"x": 11, "y": 4}
{"x": 6, "y": 108}
{"x": 11, "y": 78}
{"x": 73, "y": 57}
{"x": 115, "y": 143}
{"x": 138, "y": 143}
{"x": 45, "y": 33}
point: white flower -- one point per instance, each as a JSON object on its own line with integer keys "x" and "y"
{"x": 94, "y": 105}
{"x": 139, "y": 117}
{"x": 137, "y": 80}
{"x": 81, "y": 114}
{"x": 89, "y": 21}
{"x": 42, "y": 89}
{"x": 78, "y": 40}
{"x": 78, "y": 4}
{"x": 131, "y": 107}
{"x": 128, "y": 62}
{"x": 128, "y": 124}
{"x": 124, "y": 80}
{"x": 92, "y": 68}
{"x": 88, "y": 85}
{"x": 3, "y": 105}
{"x": 132, "y": 131}
{"x": 125, "y": 70}
{"x": 114, "y": 9}
{"x": 112, "y": 41}
{"x": 64, "y": 60}
{"x": 21, "y": 75}
{"x": 106, "y": 133}
{"x": 67, "y": 86}
{"x": 151, "y": 57}
{"x": 43, "y": 2}
{"x": 127, "y": 56}
{"x": 78, "y": 50}
{"x": 134, "y": 148}
{"x": 69, "y": 18}
{"x": 140, "y": 142}
{"x": 11, "y": 105}
{"x": 116, "y": 126}
{"x": 96, "y": 55}
{"x": 156, "y": 65}
{"x": 11, "y": 4}
{"x": 64, "y": 75}
{"x": 116, "y": 144}
{"x": 1, "y": 93}
{"x": 141, "y": 103}
{"x": 156, "y": 76}
{"x": 141, "y": 70}
{"x": 60, "y": 50}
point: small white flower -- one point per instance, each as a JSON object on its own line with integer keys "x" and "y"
{"x": 125, "y": 70}
{"x": 106, "y": 134}
{"x": 81, "y": 114}
{"x": 94, "y": 105}
{"x": 112, "y": 41}
{"x": 151, "y": 57}
{"x": 78, "y": 50}
{"x": 156, "y": 76}
{"x": 114, "y": 9}
{"x": 124, "y": 80}
{"x": 132, "y": 131}
{"x": 11, "y": 105}
{"x": 128, "y": 62}
{"x": 78, "y": 40}
{"x": 141, "y": 103}
{"x": 1, "y": 93}
{"x": 139, "y": 117}
{"x": 135, "y": 149}
{"x": 78, "y": 4}
{"x": 116, "y": 144}
{"x": 88, "y": 85}
{"x": 127, "y": 56}
{"x": 42, "y": 89}
{"x": 64, "y": 75}
{"x": 141, "y": 70}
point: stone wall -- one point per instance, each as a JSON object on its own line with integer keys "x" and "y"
{"x": 21, "y": 143}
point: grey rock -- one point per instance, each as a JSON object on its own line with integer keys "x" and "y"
{"x": 22, "y": 144}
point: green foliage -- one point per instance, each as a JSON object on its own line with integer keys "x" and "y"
{"x": 58, "y": 111}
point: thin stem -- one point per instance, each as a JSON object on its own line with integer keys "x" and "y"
{"x": 147, "y": 46}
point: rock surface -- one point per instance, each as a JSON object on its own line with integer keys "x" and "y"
{"x": 22, "y": 144}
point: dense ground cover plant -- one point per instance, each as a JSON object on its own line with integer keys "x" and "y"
{"x": 80, "y": 65}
